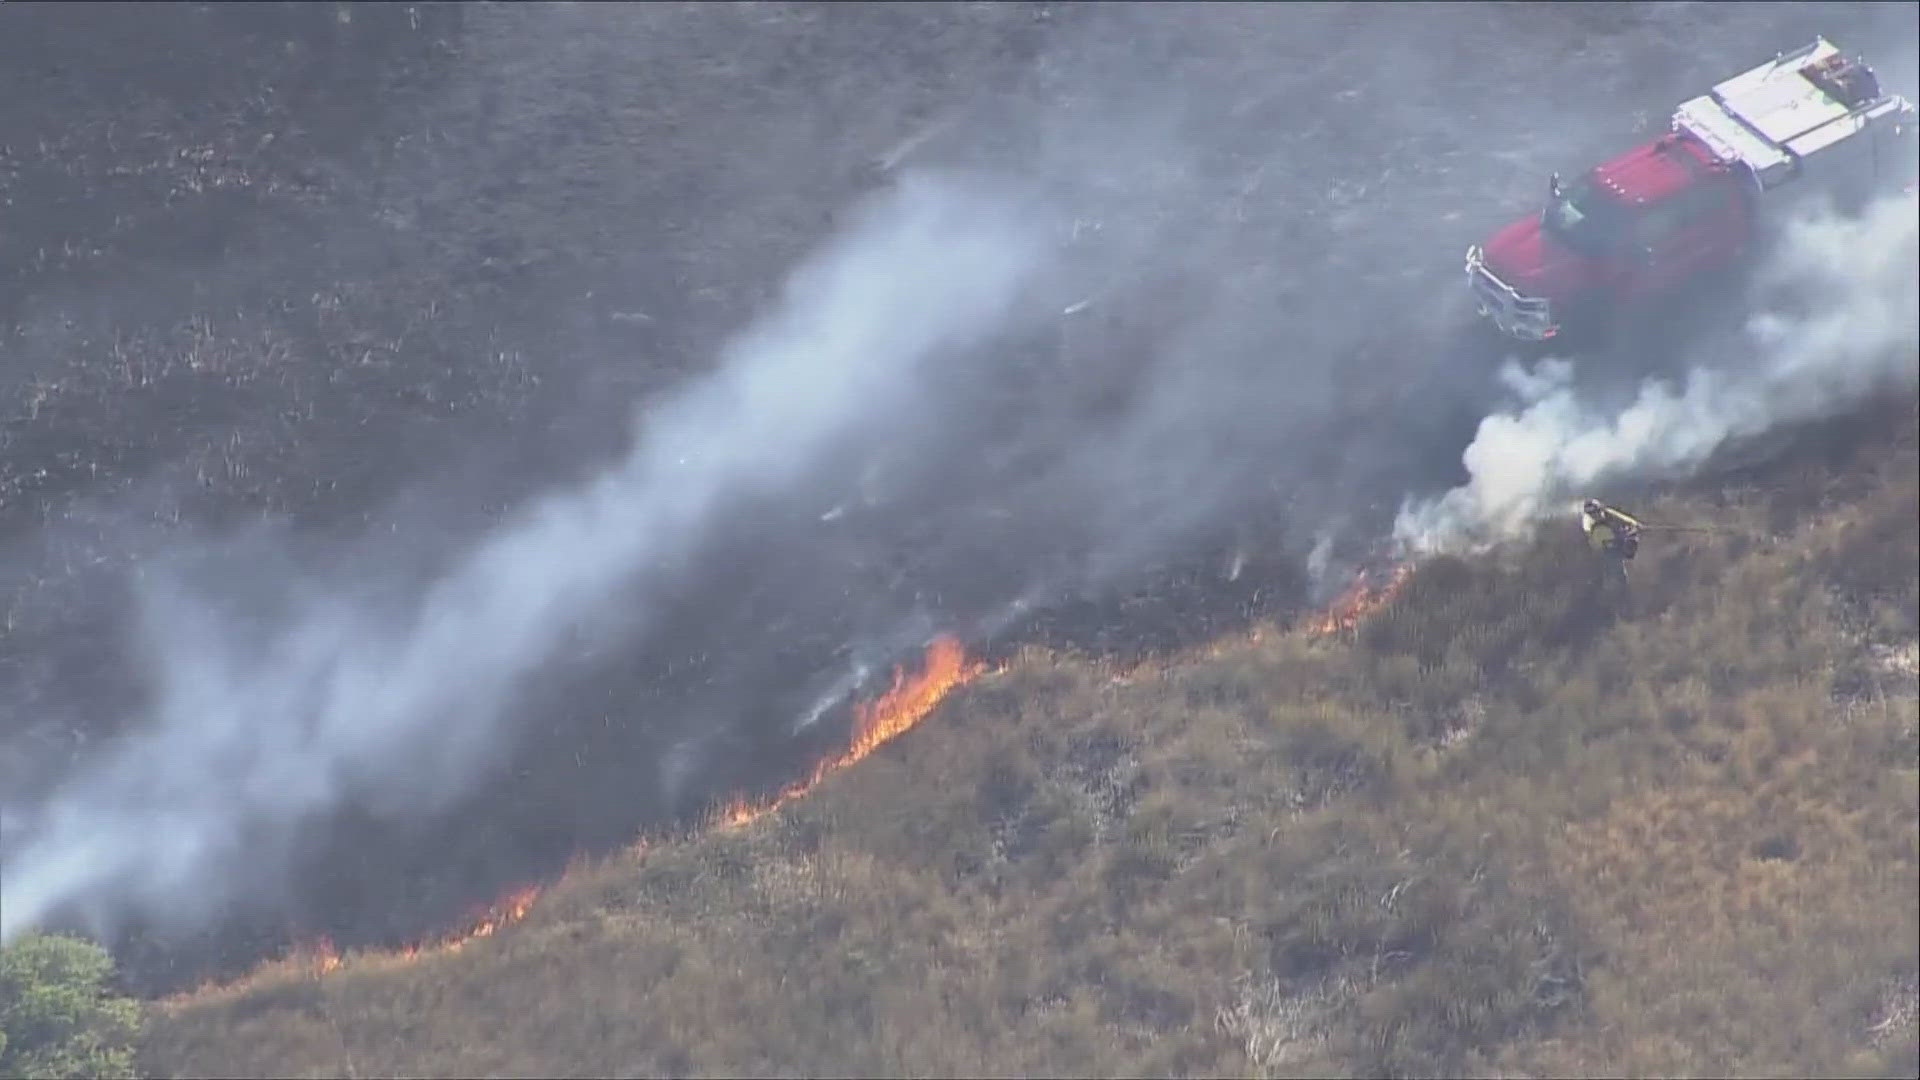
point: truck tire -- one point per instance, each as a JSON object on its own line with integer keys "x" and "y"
{"x": 1590, "y": 324}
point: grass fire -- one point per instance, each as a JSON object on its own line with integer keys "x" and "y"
{"x": 911, "y": 697}
{"x": 875, "y": 723}
{"x": 319, "y": 956}
{"x": 1365, "y": 595}
{"x": 955, "y": 539}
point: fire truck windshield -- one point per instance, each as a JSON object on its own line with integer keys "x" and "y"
{"x": 1584, "y": 217}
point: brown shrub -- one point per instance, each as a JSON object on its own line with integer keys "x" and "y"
{"x": 1509, "y": 828}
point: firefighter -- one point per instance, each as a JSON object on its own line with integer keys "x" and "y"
{"x": 1610, "y": 531}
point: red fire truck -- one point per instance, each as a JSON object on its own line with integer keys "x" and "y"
{"x": 1670, "y": 210}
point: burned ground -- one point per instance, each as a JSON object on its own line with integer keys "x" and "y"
{"x": 317, "y": 297}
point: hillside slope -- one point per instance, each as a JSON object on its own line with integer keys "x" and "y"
{"x": 1510, "y": 825}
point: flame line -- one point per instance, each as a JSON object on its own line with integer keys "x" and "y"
{"x": 317, "y": 957}
{"x": 876, "y": 723}
{"x": 1360, "y": 600}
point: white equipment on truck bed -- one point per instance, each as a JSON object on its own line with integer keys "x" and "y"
{"x": 1772, "y": 118}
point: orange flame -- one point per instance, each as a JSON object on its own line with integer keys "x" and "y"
{"x": 506, "y": 911}
{"x": 1362, "y": 598}
{"x": 877, "y": 722}
{"x": 319, "y": 957}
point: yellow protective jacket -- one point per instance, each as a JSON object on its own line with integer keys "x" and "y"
{"x": 1606, "y": 527}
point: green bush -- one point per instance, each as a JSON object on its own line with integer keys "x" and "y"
{"x": 58, "y": 1015}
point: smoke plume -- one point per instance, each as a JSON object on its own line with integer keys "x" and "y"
{"x": 1260, "y": 221}
{"x": 257, "y": 730}
{"x": 1834, "y": 325}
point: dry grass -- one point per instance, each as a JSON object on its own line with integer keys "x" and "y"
{"x": 1517, "y": 825}
{"x": 1509, "y": 828}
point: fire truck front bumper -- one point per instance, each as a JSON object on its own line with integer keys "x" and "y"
{"x": 1529, "y": 318}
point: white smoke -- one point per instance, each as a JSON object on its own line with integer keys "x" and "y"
{"x": 254, "y": 733}
{"x": 1835, "y": 326}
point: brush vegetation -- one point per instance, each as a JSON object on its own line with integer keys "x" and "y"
{"x": 1518, "y": 823}
{"x": 59, "y": 1017}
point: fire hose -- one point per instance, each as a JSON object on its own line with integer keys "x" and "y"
{"x": 1707, "y": 529}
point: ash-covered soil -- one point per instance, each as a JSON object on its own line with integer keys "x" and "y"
{"x": 308, "y": 297}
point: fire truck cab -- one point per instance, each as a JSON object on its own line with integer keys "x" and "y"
{"x": 1671, "y": 209}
